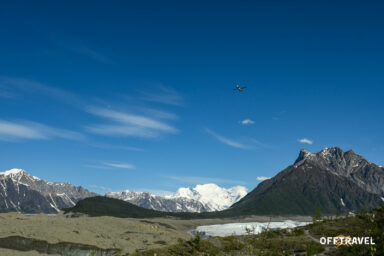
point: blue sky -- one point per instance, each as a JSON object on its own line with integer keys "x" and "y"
{"x": 139, "y": 94}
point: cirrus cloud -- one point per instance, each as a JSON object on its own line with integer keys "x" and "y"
{"x": 10, "y": 131}
{"x": 227, "y": 141}
{"x": 128, "y": 124}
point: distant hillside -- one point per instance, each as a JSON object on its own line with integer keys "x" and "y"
{"x": 105, "y": 206}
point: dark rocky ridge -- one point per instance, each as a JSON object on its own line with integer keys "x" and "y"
{"x": 331, "y": 179}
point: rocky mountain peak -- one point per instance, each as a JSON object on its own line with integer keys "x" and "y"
{"x": 348, "y": 164}
{"x": 304, "y": 154}
{"x": 13, "y": 172}
{"x": 331, "y": 179}
{"x": 334, "y": 157}
{"x": 22, "y": 192}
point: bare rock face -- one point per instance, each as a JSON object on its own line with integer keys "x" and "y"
{"x": 368, "y": 176}
{"x": 22, "y": 192}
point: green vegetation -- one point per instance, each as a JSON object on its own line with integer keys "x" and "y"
{"x": 298, "y": 241}
{"x": 267, "y": 243}
{"x": 317, "y": 216}
{"x": 365, "y": 224}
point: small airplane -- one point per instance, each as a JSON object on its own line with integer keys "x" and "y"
{"x": 240, "y": 89}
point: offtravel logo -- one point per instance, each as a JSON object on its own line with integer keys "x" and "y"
{"x": 346, "y": 240}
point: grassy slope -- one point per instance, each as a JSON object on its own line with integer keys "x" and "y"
{"x": 300, "y": 241}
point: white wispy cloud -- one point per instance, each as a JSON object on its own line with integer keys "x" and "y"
{"x": 83, "y": 50}
{"x": 114, "y": 147}
{"x": 227, "y": 141}
{"x": 159, "y": 113}
{"x": 127, "y": 124}
{"x": 164, "y": 95}
{"x": 247, "y": 121}
{"x": 11, "y": 131}
{"x": 120, "y": 165}
{"x": 262, "y": 178}
{"x": 306, "y": 141}
{"x": 131, "y": 119}
{"x": 194, "y": 180}
{"x": 15, "y": 87}
{"x": 111, "y": 165}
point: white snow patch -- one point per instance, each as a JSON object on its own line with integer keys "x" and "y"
{"x": 342, "y": 202}
{"x": 240, "y": 228}
{"x": 54, "y": 207}
{"x": 382, "y": 199}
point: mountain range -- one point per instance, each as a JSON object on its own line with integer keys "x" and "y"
{"x": 331, "y": 180}
{"x": 201, "y": 198}
{"x": 22, "y": 192}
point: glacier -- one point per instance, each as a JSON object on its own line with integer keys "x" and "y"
{"x": 240, "y": 228}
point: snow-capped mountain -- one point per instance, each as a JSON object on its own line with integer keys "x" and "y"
{"x": 159, "y": 203}
{"x": 213, "y": 197}
{"x": 22, "y": 192}
{"x": 202, "y": 198}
